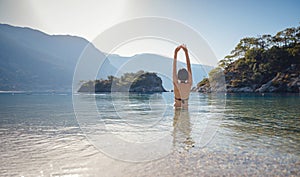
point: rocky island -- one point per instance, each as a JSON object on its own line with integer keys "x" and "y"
{"x": 262, "y": 64}
{"x": 139, "y": 82}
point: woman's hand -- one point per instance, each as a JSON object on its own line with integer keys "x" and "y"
{"x": 178, "y": 48}
{"x": 183, "y": 46}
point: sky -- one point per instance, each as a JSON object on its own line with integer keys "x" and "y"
{"x": 221, "y": 23}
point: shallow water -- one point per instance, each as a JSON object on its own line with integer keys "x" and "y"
{"x": 142, "y": 135}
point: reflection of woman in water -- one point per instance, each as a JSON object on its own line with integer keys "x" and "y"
{"x": 182, "y": 128}
{"x": 182, "y": 80}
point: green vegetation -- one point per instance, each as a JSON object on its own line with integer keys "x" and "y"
{"x": 261, "y": 60}
{"x": 129, "y": 82}
{"x": 203, "y": 82}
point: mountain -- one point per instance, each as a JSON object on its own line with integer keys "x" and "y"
{"x": 35, "y": 61}
{"x": 31, "y": 60}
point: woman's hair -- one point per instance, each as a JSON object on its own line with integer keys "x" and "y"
{"x": 183, "y": 74}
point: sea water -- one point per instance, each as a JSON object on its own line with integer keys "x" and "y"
{"x": 122, "y": 134}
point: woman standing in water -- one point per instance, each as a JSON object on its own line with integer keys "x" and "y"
{"x": 182, "y": 80}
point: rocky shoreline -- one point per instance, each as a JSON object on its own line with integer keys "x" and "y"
{"x": 284, "y": 82}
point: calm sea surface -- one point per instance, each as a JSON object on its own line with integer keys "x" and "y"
{"x": 52, "y": 134}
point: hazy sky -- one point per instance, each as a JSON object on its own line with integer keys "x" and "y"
{"x": 222, "y": 23}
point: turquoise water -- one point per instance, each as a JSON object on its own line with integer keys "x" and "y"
{"x": 142, "y": 135}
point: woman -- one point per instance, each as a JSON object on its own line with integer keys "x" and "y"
{"x": 182, "y": 80}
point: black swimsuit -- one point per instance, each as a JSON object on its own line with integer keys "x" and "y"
{"x": 182, "y": 100}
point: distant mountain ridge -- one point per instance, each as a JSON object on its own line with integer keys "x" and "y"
{"x": 35, "y": 61}
{"x": 31, "y": 60}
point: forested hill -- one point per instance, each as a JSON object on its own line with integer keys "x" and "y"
{"x": 139, "y": 82}
{"x": 262, "y": 64}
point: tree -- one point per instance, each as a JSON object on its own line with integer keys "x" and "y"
{"x": 224, "y": 63}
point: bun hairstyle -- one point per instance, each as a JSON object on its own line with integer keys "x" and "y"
{"x": 183, "y": 75}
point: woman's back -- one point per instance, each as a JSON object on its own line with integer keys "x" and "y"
{"x": 182, "y": 81}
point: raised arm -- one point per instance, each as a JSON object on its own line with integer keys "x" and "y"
{"x": 188, "y": 63}
{"x": 175, "y": 79}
